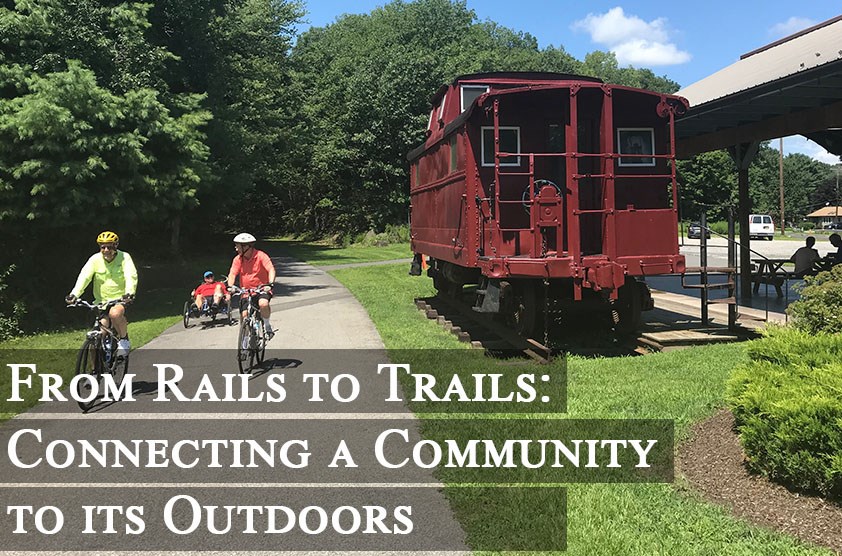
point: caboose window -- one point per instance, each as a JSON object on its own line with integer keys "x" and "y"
{"x": 509, "y": 143}
{"x": 635, "y": 141}
{"x": 441, "y": 108}
{"x": 470, "y": 94}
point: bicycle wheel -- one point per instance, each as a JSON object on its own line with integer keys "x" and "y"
{"x": 119, "y": 367}
{"x": 260, "y": 340}
{"x": 89, "y": 361}
{"x": 245, "y": 355}
{"x": 186, "y": 314}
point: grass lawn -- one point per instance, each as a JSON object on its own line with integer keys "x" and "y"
{"x": 322, "y": 254}
{"x": 163, "y": 290}
{"x": 604, "y": 519}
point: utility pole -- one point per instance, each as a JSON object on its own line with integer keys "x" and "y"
{"x": 781, "y": 174}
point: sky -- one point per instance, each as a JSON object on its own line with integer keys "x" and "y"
{"x": 684, "y": 44}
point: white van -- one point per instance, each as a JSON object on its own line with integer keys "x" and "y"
{"x": 761, "y": 226}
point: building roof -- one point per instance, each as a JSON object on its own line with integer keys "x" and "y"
{"x": 826, "y": 212}
{"x": 792, "y": 86}
{"x": 810, "y": 48}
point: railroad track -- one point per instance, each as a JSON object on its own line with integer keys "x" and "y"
{"x": 482, "y": 332}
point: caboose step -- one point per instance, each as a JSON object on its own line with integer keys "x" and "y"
{"x": 717, "y": 286}
{"x": 710, "y": 269}
{"x": 488, "y": 296}
{"x": 724, "y": 300}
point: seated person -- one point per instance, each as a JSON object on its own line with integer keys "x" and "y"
{"x": 836, "y": 241}
{"x": 210, "y": 288}
{"x": 804, "y": 257}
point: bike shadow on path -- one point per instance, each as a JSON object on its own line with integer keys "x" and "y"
{"x": 275, "y": 363}
{"x": 139, "y": 388}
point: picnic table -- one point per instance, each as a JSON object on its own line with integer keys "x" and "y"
{"x": 770, "y": 271}
{"x": 825, "y": 263}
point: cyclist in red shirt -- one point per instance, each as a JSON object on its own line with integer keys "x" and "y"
{"x": 255, "y": 268}
{"x": 209, "y": 288}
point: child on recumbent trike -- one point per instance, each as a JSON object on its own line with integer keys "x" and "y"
{"x": 211, "y": 297}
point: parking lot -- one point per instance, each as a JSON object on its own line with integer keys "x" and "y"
{"x": 775, "y": 249}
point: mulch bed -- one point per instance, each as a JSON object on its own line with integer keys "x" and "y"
{"x": 713, "y": 463}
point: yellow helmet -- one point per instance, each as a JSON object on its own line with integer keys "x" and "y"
{"x": 107, "y": 237}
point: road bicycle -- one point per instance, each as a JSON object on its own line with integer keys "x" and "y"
{"x": 98, "y": 354}
{"x": 251, "y": 341}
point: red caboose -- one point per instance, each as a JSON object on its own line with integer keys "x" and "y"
{"x": 543, "y": 187}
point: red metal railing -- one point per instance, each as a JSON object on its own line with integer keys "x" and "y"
{"x": 571, "y": 225}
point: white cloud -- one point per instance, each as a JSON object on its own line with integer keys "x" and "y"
{"x": 641, "y": 52}
{"x": 614, "y": 27}
{"x": 633, "y": 40}
{"x": 790, "y": 26}
{"x": 824, "y": 156}
{"x": 799, "y": 144}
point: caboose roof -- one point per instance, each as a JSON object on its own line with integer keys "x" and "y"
{"x": 512, "y": 83}
{"x": 511, "y": 77}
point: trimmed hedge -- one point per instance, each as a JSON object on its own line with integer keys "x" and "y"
{"x": 819, "y": 308}
{"x": 787, "y": 402}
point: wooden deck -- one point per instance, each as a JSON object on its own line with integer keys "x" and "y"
{"x": 675, "y": 323}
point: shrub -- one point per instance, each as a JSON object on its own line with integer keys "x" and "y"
{"x": 392, "y": 234}
{"x": 397, "y": 233}
{"x": 10, "y": 311}
{"x": 720, "y": 227}
{"x": 717, "y": 227}
{"x": 808, "y": 226}
{"x": 819, "y": 308}
{"x": 787, "y": 401}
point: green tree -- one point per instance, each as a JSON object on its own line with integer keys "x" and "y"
{"x": 365, "y": 83}
{"x": 802, "y": 176}
{"x": 83, "y": 130}
{"x": 236, "y": 53}
{"x": 827, "y": 191}
{"x": 707, "y": 181}
{"x": 90, "y": 135}
{"x": 764, "y": 181}
{"x": 70, "y": 148}
{"x": 605, "y": 66}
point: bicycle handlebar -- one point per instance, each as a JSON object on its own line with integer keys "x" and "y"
{"x": 250, "y": 291}
{"x": 102, "y": 306}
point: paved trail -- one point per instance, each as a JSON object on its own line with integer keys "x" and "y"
{"x": 321, "y": 328}
{"x": 310, "y": 310}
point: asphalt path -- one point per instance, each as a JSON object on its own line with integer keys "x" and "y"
{"x": 187, "y": 387}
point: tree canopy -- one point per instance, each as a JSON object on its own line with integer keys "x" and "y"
{"x": 366, "y": 81}
{"x": 86, "y": 125}
{"x": 170, "y": 118}
{"x": 709, "y": 182}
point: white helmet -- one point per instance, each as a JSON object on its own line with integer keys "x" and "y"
{"x": 244, "y": 238}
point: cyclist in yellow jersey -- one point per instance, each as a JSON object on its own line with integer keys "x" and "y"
{"x": 114, "y": 277}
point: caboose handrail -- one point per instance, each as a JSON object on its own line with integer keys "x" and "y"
{"x": 639, "y": 176}
{"x": 573, "y": 154}
{"x": 606, "y": 163}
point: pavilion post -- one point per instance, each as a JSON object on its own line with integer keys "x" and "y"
{"x": 743, "y": 154}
